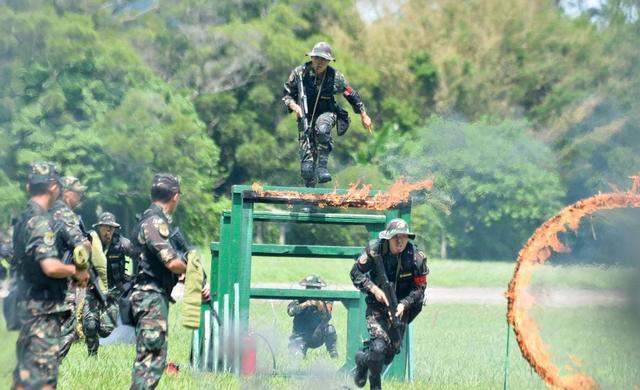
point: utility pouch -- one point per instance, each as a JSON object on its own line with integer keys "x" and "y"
{"x": 124, "y": 302}
{"x": 343, "y": 120}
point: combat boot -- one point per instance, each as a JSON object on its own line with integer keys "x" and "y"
{"x": 375, "y": 381}
{"x": 307, "y": 171}
{"x": 361, "y": 373}
{"x": 323, "y": 160}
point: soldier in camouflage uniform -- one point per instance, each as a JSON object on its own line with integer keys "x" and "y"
{"x": 406, "y": 267}
{"x": 116, "y": 249}
{"x": 97, "y": 320}
{"x": 41, "y": 277}
{"x": 158, "y": 268}
{"x": 70, "y": 224}
{"x": 311, "y": 327}
{"x": 321, "y": 83}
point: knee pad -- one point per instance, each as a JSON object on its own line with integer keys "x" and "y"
{"x": 90, "y": 328}
{"x": 377, "y": 351}
{"x": 324, "y": 134}
{"x": 306, "y": 170}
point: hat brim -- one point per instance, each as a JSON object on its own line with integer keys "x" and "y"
{"x": 321, "y": 55}
{"x": 383, "y": 236}
{"x": 115, "y": 225}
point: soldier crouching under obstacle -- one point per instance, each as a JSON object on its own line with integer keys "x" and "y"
{"x": 393, "y": 274}
{"x": 311, "y": 327}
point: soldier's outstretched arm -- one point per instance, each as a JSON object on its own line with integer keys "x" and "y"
{"x": 54, "y": 268}
{"x": 353, "y": 97}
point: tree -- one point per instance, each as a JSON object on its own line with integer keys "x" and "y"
{"x": 502, "y": 181}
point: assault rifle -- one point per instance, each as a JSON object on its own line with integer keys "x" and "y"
{"x": 389, "y": 290}
{"x": 302, "y": 102}
{"x": 67, "y": 258}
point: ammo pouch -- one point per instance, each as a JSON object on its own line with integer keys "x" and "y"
{"x": 124, "y": 302}
{"x": 342, "y": 120}
{"x": 10, "y": 307}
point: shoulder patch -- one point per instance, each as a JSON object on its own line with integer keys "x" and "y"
{"x": 49, "y": 238}
{"x": 163, "y": 229}
{"x": 420, "y": 257}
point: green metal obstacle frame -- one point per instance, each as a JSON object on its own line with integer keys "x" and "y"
{"x": 216, "y": 345}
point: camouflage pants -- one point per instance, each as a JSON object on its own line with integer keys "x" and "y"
{"x": 384, "y": 342}
{"x": 299, "y": 343}
{"x": 97, "y": 321}
{"x": 37, "y": 351}
{"x": 68, "y": 333}
{"x": 319, "y": 139}
{"x": 150, "y": 312}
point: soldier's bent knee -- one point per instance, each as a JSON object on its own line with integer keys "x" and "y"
{"x": 152, "y": 339}
{"x": 306, "y": 170}
{"x": 377, "y": 350}
{"x": 90, "y": 327}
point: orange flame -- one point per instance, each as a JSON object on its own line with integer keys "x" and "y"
{"x": 534, "y": 254}
{"x": 356, "y": 196}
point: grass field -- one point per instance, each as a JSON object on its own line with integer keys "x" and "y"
{"x": 456, "y": 346}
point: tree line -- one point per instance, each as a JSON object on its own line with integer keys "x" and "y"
{"x": 515, "y": 111}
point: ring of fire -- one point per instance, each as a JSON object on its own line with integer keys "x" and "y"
{"x": 534, "y": 254}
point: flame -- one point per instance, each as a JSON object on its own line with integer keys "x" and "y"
{"x": 534, "y": 254}
{"x": 357, "y": 195}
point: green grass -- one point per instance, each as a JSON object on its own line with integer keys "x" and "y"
{"x": 443, "y": 273}
{"x": 456, "y": 346}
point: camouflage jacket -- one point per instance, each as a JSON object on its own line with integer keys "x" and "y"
{"x": 408, "y": 271}
{"x": 68, "y": 220}
{"x": 155, "y": 250}
{"x": 34, "y": 242}
{"x": 340, "y": 86}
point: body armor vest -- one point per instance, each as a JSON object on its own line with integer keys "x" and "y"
{"x": 116, "y": 263}
{"x": 401, "y": 277}
{"x": 36, "y": 284}
{"x": 326, "y": 102}
{"x": 150, "y": 268}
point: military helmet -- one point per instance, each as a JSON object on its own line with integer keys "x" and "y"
{"x": 323, "y": 50}
{"x": 396, "y": 226}
{"x": 43, "y": 172}
{"x": 108, "y": 219}
{"x": 313, "y": 281}
{"x": 167, "y": 182}
{"x": 72, "y": 183}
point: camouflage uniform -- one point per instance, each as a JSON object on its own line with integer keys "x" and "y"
{"x": 152, "y": 291}
{"x": 311, "y": 327}
{"x": 42, "y": 308}
{"x": 408, "y": 272}
{"x": 67, "y": 219}
{"x": 315, "y": 148}
{"x": 97, "y": 320}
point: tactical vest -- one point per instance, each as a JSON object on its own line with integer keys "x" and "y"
{"x": 326, "y": 102}
{"x": 36, "y": 284}
{"x": 150, "y": 267}
{"x": 401, "y": 277}
{"x": 116, "y": 263}
{"x": 307, "y": 321}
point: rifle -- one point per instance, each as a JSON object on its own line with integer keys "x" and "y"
{"x": 67, "y": 258}
{"x": 302, "y": 102}
{"x": 389, "y": 290}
